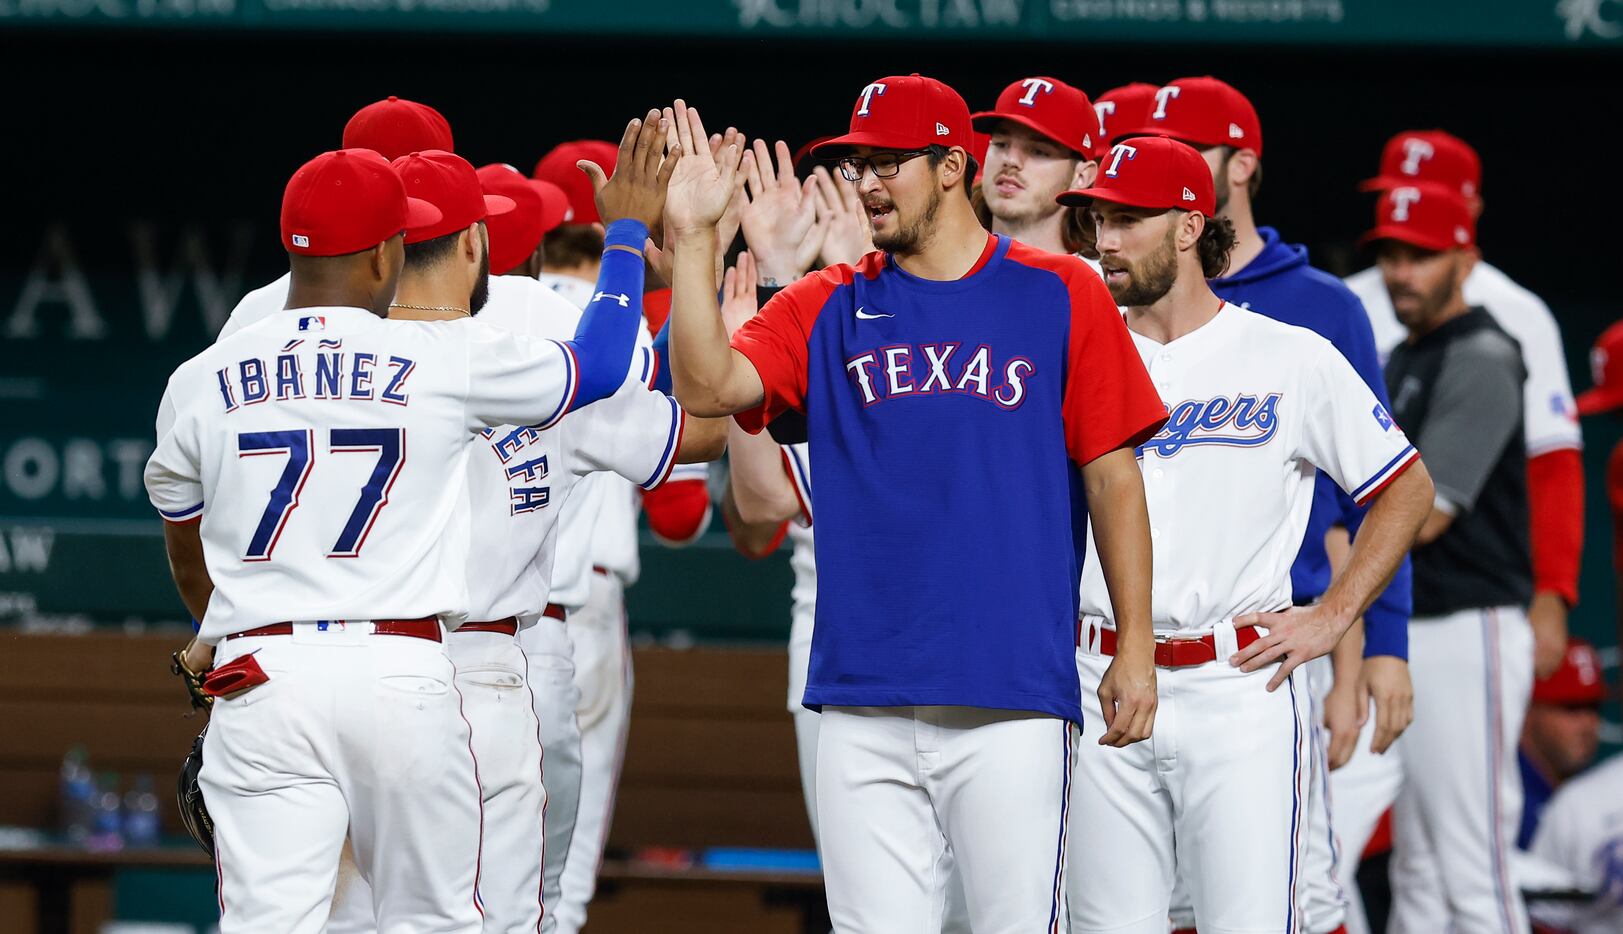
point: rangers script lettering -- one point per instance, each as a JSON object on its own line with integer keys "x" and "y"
{"x": 1242, "y": 421}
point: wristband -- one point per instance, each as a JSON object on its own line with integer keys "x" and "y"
{"x": 626, "y": 232}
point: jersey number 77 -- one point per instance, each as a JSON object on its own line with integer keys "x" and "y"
{"x": 299, "y": 447}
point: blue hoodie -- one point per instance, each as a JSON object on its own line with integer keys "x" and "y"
{"x": 1280, "y": 284}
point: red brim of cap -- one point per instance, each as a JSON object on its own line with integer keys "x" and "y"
{"x": 876, "y": 139}
{"x": 1600, "y": 400}
{"x": 498, "y": 204}
{"x": 420, "y": 213}
{"x": 1384, "y": 183}
{"x": 987, "y": 120}
{"x": 1161, "y": 131}
{"x": 1082, "y": 197}
{"x": 554, "y": 204}
{"x": 1406, "y": 235}
{"x": 1572, "y": 695}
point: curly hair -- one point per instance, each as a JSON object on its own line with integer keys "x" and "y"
{"x": 1214, "y": 245}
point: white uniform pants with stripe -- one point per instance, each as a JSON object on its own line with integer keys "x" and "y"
{"x": 354, "y": 734}
{"x": 897, "y": 785}
{"x": 552, "y": 687}
{"x": 498, "y": 705}
{"x": 1218, "y": 794}
{"x": 1455, "y": 819}
{"x": 603, "y": 674}
{"x": 807, "y": 725}
{"x": 1324, "y": 902}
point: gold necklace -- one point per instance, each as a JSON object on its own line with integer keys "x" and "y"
{"x": 431, "y": 308}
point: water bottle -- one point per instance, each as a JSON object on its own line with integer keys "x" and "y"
{"x": 78, "y": 790}
{"x": 141, "y": 814}
{"x": 106, "y": 827}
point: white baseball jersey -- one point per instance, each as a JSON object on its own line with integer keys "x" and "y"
{"x": 1550, "y": 417}
{"x": 803, "y": 561}
{"x": 1255, "y": 406}
{"x": 320, "y": 407}
{"x": 521, "y": 480}
{"x": 599, "y": 525}
{"x": 257, "y": 305}
{"x": 1582, "y": 831}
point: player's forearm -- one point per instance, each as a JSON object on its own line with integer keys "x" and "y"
{"x": 1385, "y": 625}
{"x": 1387, "y": 534}
{"x": 703, "y": 439}
{"x": 702, "y": 361}
{"x": 761, "y": 487}
{"x": 184, "y": 543}
{"x": 1555, "y": 500}
{"x": 1121, "y": 536}
{"x": 753, "y": 540}
{"x": 1348, "y": 656}
{"x": 607, "y": 334}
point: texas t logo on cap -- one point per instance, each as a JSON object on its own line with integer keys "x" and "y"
{"x": 1401, "y": 199}
{"x": 1032, "y": 86}
{"x": 868, "y": 95}
{"x": 1161, "y": 97}
{"x": 1116, "y": 153}
{"x": 1415, "y": 151}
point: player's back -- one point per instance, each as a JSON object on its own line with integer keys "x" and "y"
{"x": 329, "y": 446}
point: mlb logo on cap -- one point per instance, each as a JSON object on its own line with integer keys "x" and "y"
{"x": 301, "y": 241}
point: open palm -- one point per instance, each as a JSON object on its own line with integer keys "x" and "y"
{"x": 701, "y": 184}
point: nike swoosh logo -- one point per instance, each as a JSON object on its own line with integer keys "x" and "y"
{"x": 864, "y": 316}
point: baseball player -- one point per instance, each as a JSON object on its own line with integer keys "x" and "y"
{"x": 1043, "y": 136}
{"x": 340, "y": 606}
{"x": 1217, "y": 794}
{"x": 1561, "y": 732}
{"x": 636, "y": 432}
{"x": 1456, "y": 384}
{"x": 949, "y": 356}
{"x": 1273, "y": 278}
{"x": 1582, "y": 833}
{"x": 1554, "y": 443}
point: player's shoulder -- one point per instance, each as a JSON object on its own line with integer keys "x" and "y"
{"x": 1323, "y": 286}
{"x": 527, "y": 306}
{"x": 1601, "y": 783}
{"x": 1275, "y": 335}
{"x": 810, "y": 292}
{"x": 1486, "y": 345}
{"x": 1365, "y": 282}
{"x": 1489, "y": 285}
{"x": 1067, "y": 266}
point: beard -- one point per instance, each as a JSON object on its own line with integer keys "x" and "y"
{"x": 1149, "y": 279}
{"x": 909, "y": 238}
{"x": 481, "y": 286}
{"x": 1424, "y": 306}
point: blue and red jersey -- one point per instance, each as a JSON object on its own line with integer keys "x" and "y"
{"x": 948, "y": 422}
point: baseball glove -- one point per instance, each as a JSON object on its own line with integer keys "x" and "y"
{"x": 193, "y": 812}
{"x": 193, "y": 680}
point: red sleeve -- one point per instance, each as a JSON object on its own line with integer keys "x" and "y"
{"x": 656, "y": 307}
{"x": 1109, "y": 400}
{"x": 678, "y": 511}
{"x": 775, "y": 341}
{"x": 1555, "y": 501}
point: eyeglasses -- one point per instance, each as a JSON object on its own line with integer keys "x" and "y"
{"x": 884, "y": 164}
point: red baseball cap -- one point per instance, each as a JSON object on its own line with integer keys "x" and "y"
{"x": 1121, "y": 109}
{"x": 979, "y": 144}
{"x": 905, "y": 112}
{"x": 1428, "y": 156}
{"x": 1577, "y": 681}
{"x": 347, "y": 201}
{"x": 448, "y": 182}
{"x": 1606, "y": 366}
{"x": 1050, "y": 107}
{"x": 558, "y": 167}
{"x": 395, "y": 127}
{"x": 1153, "y": 172}
{"x": 514, "y": 235}
{"x": 1202, "y": 112}
{"x": 1427, "y": 216}
{"x": 555, "y": 208}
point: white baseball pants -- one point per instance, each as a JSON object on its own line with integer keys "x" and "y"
{"x": 603, "y": 674}
{"x": 897, "y": 785}
{"x": 355, "y": 734}
{"x": 1454, "y": 822}
{"x": 498, "y": 705}
{"x": 547, "y": 650}
{"x": 1218, "y": 794}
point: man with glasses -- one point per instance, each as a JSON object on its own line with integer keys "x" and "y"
{"x": 946, "y": 358}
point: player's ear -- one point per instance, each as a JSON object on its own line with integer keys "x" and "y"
{"x": 1242, "y": 166}
{"x": 1190, "y": 226}
{"x": 1086, "y": 171}
{"x": 468, "y": 241}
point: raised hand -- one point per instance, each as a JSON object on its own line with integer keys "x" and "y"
{"x": 738, "y": 301}
{"x": 780, "y": 216}
{"x": 847, "y": 236}
{"x": 702, "y": 184}
{"x": 642, "y": 173}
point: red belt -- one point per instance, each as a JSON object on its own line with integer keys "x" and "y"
{"x": 1181, "y": 653}
{"x": 509, "y": 626}
{"x": 600, "y": 569}
{"x": 426, "y": 628}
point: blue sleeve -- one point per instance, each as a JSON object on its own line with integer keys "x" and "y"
{"x": 662, "y": 356}
{"x": 607, "y": 333}
{"x": 1386, "y": 622}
